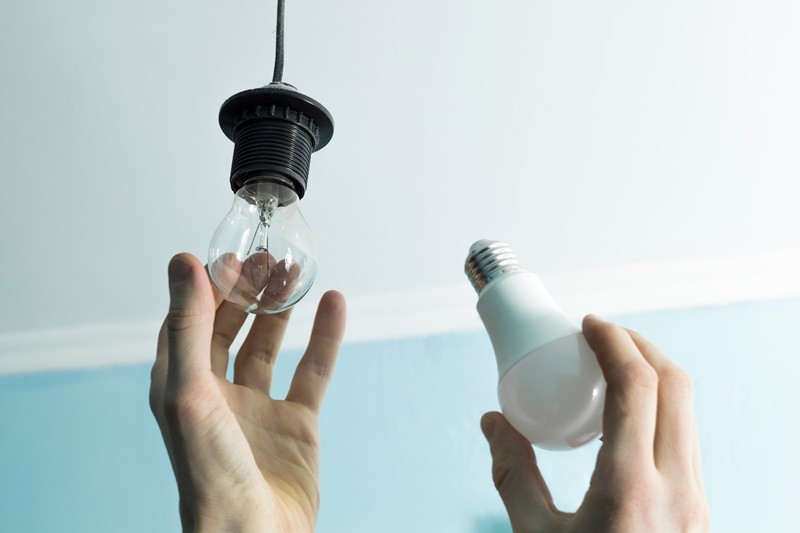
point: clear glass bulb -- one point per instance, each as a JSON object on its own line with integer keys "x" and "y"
{"x": 262, "y": 256}
{"x": 551, "y": 388}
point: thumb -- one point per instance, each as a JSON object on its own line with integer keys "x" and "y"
{"x": 190, "y": 320}
{"x": 517, "y": 477}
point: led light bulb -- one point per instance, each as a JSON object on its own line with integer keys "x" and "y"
{"x": 551, "y": 387}
{"x": 263, "y": 257}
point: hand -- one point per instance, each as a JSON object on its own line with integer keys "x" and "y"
{"x": 243, "y": 461}
{"x": 647, "y": 477}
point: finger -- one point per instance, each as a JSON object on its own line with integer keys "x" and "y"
{"x": 189, "y": 321}
{"x": 218, "y": 296}
{"x": 158, "y": 380}
{"x": 517, "y": 477}
{"x": 256, "y": 358}
{"x": 158, "y": 384}
{"x": 242, "y": 282}
{"x": 162, "y": 354}
{"x": 280, "y": 286}
{"x": 227, "y": 323}
{"x": 256, "y": 270}
{"x": 316, "y": 367}
{"x": 675, "y": 427}
{"x": 225, "y": 272}
{"x": 162, "y": 350}
{"x": 158, "y": 376}
{"x": 629, "y": 415}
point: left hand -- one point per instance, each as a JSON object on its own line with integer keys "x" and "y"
{"x": 243, "y": 460}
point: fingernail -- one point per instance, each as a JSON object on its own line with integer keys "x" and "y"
{"x": 178, "y": 270}
{"x": 487, "y": 426}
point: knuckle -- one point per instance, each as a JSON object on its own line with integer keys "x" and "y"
{"x": 265, "y": 355}
{"x": 316, "y": 368}
{"x": 154, "y": 372}
{"x": 504, "y": 473}
{"x": 181, "y": 318}
{"x": 676, "y": 380}
{"x": 156, "y": 387}
{"x": 637, "y": 375}
{"x": 184, "y": 408}
{"x": 155, "y": 403}
{"x": 501, "y": 472}
{"x": 692, "y": 512}
{"x": 697, "y": 517}
{"x": 224, "y": 338}
{"x": 158, "y": 372}
{"x": 631, "y": 483}
{"x": 630, "y": 503}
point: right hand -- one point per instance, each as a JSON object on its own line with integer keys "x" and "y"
{"x": 647, "y": 477}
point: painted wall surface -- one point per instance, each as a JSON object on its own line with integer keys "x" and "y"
{"x": 402, "y": 451}
{"x": 583, "y": 133}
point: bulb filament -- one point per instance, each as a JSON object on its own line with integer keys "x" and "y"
{"x": 266, "y": 209}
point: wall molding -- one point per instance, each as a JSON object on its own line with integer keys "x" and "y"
{"x": 676, "y": 283}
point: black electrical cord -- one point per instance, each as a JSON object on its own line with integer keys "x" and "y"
{"x": 277, "y": 74}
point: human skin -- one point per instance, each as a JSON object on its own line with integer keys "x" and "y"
{"x": 647, "y": 477}
{"x": 243, "y": 460}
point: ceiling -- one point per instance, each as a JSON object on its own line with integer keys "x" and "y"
{"x": 585, "y": 134}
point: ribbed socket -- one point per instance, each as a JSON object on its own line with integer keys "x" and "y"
{"x": 276, "y": 144}
{"x": 488, "y": 260}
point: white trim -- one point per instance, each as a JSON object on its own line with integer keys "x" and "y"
{"x": 711, "y": 280}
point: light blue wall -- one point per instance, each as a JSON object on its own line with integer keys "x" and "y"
{"x": 402, "y": 451}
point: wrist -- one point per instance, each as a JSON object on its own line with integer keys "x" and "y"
{"x": 217, "y": 518}
{"x": 232, "y": 524}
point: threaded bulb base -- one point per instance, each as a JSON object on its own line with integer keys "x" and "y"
{"x": 488, "y": 260}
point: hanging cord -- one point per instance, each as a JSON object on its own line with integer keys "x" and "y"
{"x": 277, "y": 74}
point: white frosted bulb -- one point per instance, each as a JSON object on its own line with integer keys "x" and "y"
{"x": 263, "y": 257}
{"x": 551, "y": 387}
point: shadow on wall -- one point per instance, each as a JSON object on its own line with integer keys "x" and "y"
{"x": 492, "y": 524}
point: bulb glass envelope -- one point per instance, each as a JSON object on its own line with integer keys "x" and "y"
{"x": 263, "y": 257}
{"x": 555, "y": 395}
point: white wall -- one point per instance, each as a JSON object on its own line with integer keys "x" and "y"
{"x": 585, "y": 134}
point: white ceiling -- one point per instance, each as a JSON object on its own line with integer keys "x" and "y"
{"x": 583, "y": 133}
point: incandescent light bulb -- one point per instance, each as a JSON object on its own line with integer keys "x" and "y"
{"x": 551, "y": 387}
{"x": 262, "y": 256}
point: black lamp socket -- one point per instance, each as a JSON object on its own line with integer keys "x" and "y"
{"x": 275, "y": 129}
